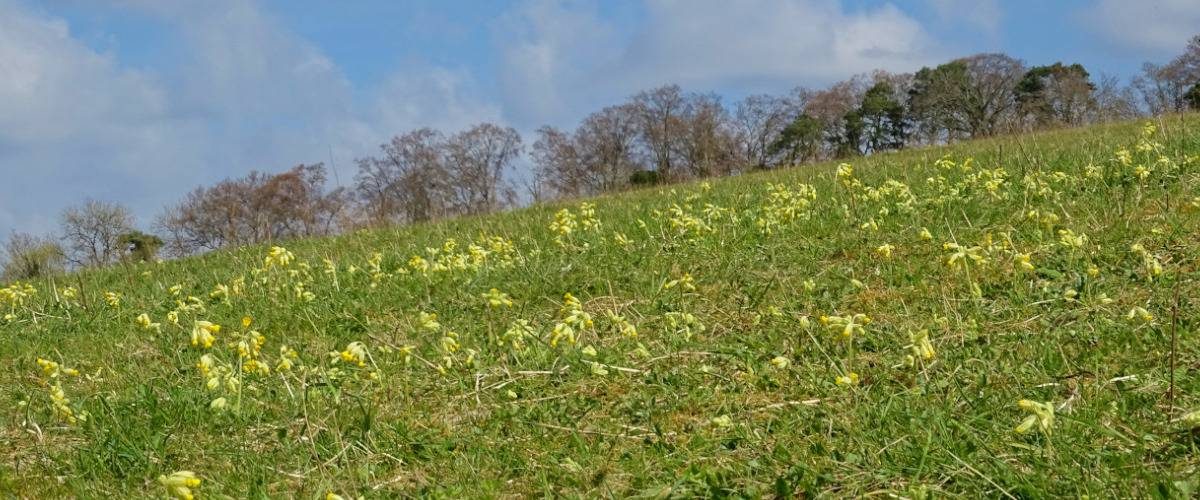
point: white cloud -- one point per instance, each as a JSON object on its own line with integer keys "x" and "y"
{"x": 1158, "y": 25}
{"x": 983, "y": 15}
{"x": 245, "y": 94}
{"x": 73, "y": 123}
{"x": 560, "y": 58}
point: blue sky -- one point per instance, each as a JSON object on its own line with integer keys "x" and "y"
{"x": 140, "y": 101}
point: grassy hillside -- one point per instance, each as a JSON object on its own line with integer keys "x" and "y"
{"x": 819, "y": 331}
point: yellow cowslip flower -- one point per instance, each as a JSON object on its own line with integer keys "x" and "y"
{"x": 1069, "y": 239}
{"x": 203, "y": 333}
{"x": 1191, "y": 418}
{"x": 921, "y": 348}
{"x": 450, "y": 343}
{"x": 723, "y": 421}
{"x": 562, "y": 331}
{"x": 333, "y": 496}
{"x": 113, "y": 299}
{"x": 885, "y": 251}
{"x": 220, "y": 291}
{"x": 847, "y": 325}
{"x": 515, "y": 335}
{"x": 70, "y": 292}
{"x": 180, "y": 484}
{"x": 62, "y": 406}
{"x": 287, "y": 358}
{"x": 278, "y": 256}
{"x": 1042, "y": 416}
{"x": 206, "y": 364}
{"x": 597, "y": 369}
{"x": 926, "y": 235}
{"x": 589, "y": 351}
{"x": 497, "y": 299}
{"x": 848, "y": 380}
{"x": 1139, "y": 313}
{"x": 429, "y": 321}
{"x": 1023, "y": 261}
{"x": 218, "y": 404}
{"x": 355, "y": 352}
{"x": 143, "y": 320}
{"x": 621, "y": 325}
{"x": 684, "y": 282}
{"x": 175, "y": 290}
{"x": 961, "y": 256}
{"x": 780, "y": 362}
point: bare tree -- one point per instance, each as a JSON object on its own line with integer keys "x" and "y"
{"x": 557, "y": 164}
{"x": 92, "y": 232}
{"x": 706, "y": 141}
{"x": 660, "y": 112}
{"x": 253, "y": 209}
{"x": 599, "y": 156}
{"x": 28, "y": 257}
{"x": 608, "y": 142}
{"x": 1114, "y": 101}
{"x": 409, "y": 182}
{"x": 759, "y": 121}
{"x": 477, "y": 160}
{"x": 1161, "y": 88}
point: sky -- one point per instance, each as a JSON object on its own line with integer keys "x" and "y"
{"x": 141, "y": 101}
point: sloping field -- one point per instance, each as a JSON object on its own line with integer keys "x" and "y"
{"x": 1004, "y": 318}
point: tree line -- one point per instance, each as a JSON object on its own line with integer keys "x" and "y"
{"x": 659, "y": 135}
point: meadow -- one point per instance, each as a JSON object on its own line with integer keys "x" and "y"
{"x": 1012, "y": 317}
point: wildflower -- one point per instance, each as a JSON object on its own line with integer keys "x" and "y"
{"x": 206, "y": 364}
{"x": 53, "y": 370}
{"x": 1023, "y": 261}
{"x": 926, "y": 235}
{"x": 684, "y": 323}
{"x": 920, "y": 348}
{"x": 61, "y": 405}
{"x": 1191, "y": 418}
{"x": 218, "y": 404}
{"x": 179, "y": 485}
{"x": 685, "y": 283}
{"x": 848, "y": 380}
{"x": 1069, "y": 239}
{"x": 516, "y": 334}
{"x": 113, "y": 299}
{"x": 621, "y": 325}
{"x": 278, "y": 256}
{"x": 847, "y": 325}
{"x": 723, "y": 421}
{"x": 884, "y": 251}
{"x": 203, "y": 333}
{"x": 355, "y": 352}
{"x": 597, "y": 369}
{"x": 1139, "y": 313}
{"x": 429, "y": 321}
{"x": 1042, "y": 416}
{"x": 497, "y": 299}
{"x": 287, "y": 357}
{"x": 143, "y": 320}
{"x": 960, "y": 256}
{"x": 780, "y": 362}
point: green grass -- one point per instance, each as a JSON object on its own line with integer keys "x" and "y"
{"x": 681, "y": 411}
